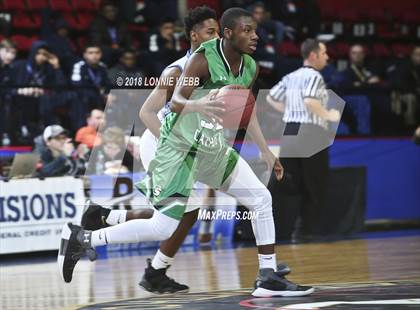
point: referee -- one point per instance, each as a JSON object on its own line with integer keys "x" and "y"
{"x": 302, "y": 97}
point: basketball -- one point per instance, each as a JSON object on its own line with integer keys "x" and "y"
{"x": 239, "y": 104}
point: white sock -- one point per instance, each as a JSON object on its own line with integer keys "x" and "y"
{"x": 161, "y": 261}
{"x": 267, "y": 261}
{"x": 116, "y": 217}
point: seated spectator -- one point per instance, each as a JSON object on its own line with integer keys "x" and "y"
{"x": 358, "y": 74}
{"x": 89, "y": 134}
{"x": 360, "y": 79}
{"x": 409, "y": 74}
{"x": 302, "y": 18}
{"x": 269, "y": 31}
{"x": 164, "y": 47}
{"x": 110, "y": 33}
{"x": 37, "y": 79}
{"x": 59, "y": 158}
{"x": 90, "y": 78}
{"x": 154, "y": 10}
{"x": 406, "y": 99}
{"x": 270, "y": 35}
{"x": 7, "y": 56}
{"x": 56, "y": 35}
{"x": 113, "y": 156}
{"x": 126, "y": 67}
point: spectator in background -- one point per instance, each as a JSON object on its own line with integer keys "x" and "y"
{"x": 89, "y": 134}
{"x": 110, "y": 33}
{"x": 164, "y": 47}
{"x": 56, "y": 35}
{"x": 113, "y": 156}
{"x": 155, "y": 9}
{"x": 406, "y": 100}
{"x": 37, "y": 79}
{"x": 90, "y": 76}
{"x": 362, "y": 80}
{"x": 269, "y": 31}
{"x": 409, "y": 74}
{"x": 270, "y": 34}
{"x": 59, "y": 158}
{"x": 301, "y": 17}
{"x": 127, "y": 67}
{"x": 7, "y": 56}
{"x": 358, "y": 74}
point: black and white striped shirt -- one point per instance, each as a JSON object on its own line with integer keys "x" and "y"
{"x": 305, "y": 82}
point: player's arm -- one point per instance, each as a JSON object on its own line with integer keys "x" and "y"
{"x": 315, "y": 106}
{"x": 157, "y": 99}
{"x": 257, "y": 136}
{"x": 197, "y": 67}
{"x": 277, "y": 105}
{"x": 277, "y": 96}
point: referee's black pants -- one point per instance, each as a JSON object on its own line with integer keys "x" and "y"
{"x": 304, "y": 176}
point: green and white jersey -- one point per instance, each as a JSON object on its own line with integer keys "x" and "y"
{"x": 219, "y": 69}
{"x": 194, "y": 132}
{"x": 191, "y": 147}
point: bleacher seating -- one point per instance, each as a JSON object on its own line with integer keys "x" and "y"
{"x": 351, "y": 20}
{"x": 23, "y": 20}
{"x": 61, "y": 5}
{"x": 36, "y": 5}
{"x": 24, "y": 43}
{"x": 84, "y": 6}
{"x": 14, "y": 5}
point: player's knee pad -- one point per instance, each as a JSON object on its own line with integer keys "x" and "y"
{"x": 262, "y": 201}
{"x": 164, "y": 226}
{"x": 164, "y": 234}
{"x": 265, "y": 206}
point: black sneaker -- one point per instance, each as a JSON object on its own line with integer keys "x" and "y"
{"x": 282, "y": 271}
{"x": 270, "y": 284}
{"x": 75, "y": 242}
{"x": 156, "y": 281}
{"x": 94, "y": 217}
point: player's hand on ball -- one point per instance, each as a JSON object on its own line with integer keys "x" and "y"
{"x": 333, "y": 115}
{"x": 210, "y": 107}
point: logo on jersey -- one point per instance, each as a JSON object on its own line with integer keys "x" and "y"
{"x": 157, "y": 190}
{"x": 208, "y": 125}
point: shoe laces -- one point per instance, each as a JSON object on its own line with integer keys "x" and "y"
{"x": 169, "y": 280}
{"x": 77, "y": 255}
{"x": 89, "y": 252}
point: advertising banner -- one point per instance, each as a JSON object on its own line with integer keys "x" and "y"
{"x": 32, "y": 212}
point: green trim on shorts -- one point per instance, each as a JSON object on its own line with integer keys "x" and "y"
{"x": 174, "y": 210}
{"x": 232, "y": 161}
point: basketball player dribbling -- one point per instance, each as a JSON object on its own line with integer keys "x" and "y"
{"x": 192, "y": 148}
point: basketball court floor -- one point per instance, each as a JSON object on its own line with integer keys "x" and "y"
{"x": 379, "y": 272}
